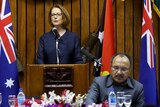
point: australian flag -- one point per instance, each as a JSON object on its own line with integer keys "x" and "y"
{"x": 9, "y": 84}
{"x": 148, "y": 57}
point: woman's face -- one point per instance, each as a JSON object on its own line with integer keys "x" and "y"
{"x": 56, "y": 17}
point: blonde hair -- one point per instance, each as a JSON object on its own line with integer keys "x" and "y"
{"x": 65, "y": 15}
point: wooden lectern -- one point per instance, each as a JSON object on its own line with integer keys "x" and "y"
{"x": 44, "y": 78}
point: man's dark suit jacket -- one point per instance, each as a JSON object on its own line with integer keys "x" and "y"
{"x": 102, "y": 85}
{"x": 69, "y": 49}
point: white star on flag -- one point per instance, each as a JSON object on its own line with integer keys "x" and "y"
{"x": 9, "y": 83}
{"x": 101, "y": 36}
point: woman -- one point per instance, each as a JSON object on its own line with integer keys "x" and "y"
{"x": 59, "y": 46}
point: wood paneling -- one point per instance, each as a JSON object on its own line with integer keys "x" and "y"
{"x": 47, "y": 7}
{"x": 137, "y": 14}
{"x": 30, "y": 21}
{"x": 31, "y": 41}
{"x": 128, "y": 40}
{"x": 75, "y": 17}
{"x": 21, "y": 29}
{"x": 39, "y": 21}
{"x": 67, "y": 5}
{"x": 84, "y": 21}
{"x": 94, "y": 15}
{"x": 120, "y": 27}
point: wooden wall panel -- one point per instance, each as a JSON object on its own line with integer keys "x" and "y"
{"x": 31, "y": 34}
{"x": 75, "y": 21}
{"x": 40, "y": 19}
{"x": 30, "y": 21}
{"x": 128, "y": 40}
{"x": 47, "y": 8}
{"x": 84, "y": 21}
{"x": 100, "y": 8}
{"x": 120, "y": 18}
{"x": 94, "y": 15}
{"x": 67, "y": 5}
{"x": 21, "y": 30}
{"x": 137, "y": 14}
{"x": 21, "y": 37}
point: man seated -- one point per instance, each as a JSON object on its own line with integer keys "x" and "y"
{"x": 118, "y": 80}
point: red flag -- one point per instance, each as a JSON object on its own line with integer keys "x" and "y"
{"x": 108, "y": 40}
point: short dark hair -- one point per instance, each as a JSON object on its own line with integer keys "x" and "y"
{"x": 122, "y": 55}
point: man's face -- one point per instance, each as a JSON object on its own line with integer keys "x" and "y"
{"x": 120, "y": 69}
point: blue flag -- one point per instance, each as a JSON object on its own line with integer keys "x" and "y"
{"x": 148, "y": 58}
{"x": 9, "y": 84}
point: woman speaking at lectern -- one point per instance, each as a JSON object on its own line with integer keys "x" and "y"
{"x": 59, "y": 45}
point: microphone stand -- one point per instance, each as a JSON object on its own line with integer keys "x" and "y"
{"x": 57, "y": 51}
{"x": 55, "y": 32}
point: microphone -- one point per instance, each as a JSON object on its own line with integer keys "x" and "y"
{"x": 87, "y": 54}
{"x": 90, "y": 56}
{"x": 55, "y": 32}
